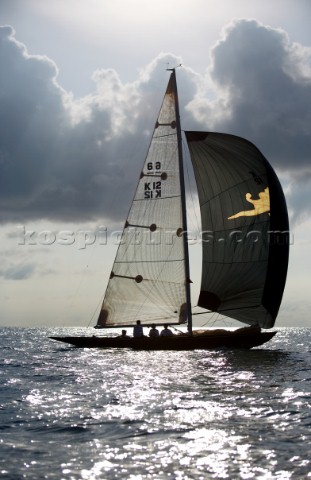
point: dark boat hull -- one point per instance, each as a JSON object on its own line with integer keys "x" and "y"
{"x": 241, "y": 339}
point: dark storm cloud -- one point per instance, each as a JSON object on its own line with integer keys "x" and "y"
{"x": 78, "y": 159}
{"x": 59, "y": 158}
{"x": 264, "y": 91}
{"x": 64, "y": 158}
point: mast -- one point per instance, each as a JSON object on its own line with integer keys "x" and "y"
{"x": 183, "y": 201}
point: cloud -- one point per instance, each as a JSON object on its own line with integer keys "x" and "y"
{"x": 298, "y": 195}
{"x": 263, "y": 87}
{"x": 18, "y": 272}
{"x": 64, "y": 158}
{"x": 77, "y": 159}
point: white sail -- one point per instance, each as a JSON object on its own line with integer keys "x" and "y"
{"x": 147, "y": 281}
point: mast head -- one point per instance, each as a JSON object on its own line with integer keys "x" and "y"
{"x": 173, "y": 69}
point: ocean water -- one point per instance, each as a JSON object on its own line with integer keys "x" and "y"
{"x": 69, "y": 413}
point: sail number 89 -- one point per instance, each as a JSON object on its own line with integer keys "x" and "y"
{"x": 154, "y": 166}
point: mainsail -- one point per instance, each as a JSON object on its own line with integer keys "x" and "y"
{"x": 245, "y": 228}
{"x": 148, "y": 278}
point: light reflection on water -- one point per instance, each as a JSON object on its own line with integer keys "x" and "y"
{"x": 91, "y": 414}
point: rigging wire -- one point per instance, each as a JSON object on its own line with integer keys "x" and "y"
{"x": 95, "y": 310}
{"x": 80, "y": 282}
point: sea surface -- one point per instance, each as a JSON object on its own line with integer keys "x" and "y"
{"x": 69, "y": 413}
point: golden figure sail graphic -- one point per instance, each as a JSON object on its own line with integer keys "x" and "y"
{"x": 261, "y": 205}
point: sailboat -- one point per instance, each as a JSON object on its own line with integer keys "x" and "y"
{"x": 245, "y": 243}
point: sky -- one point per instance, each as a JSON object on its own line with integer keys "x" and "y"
{"x": 80, "y": 87}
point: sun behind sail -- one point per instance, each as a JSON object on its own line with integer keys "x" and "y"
{"x": 245, "y": 228}
{"x": 147, "y": 281}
